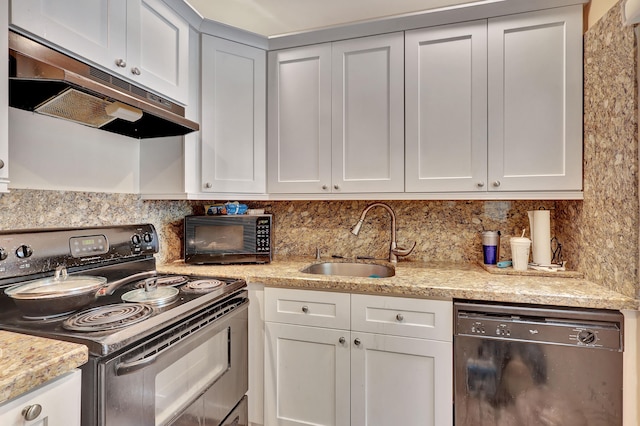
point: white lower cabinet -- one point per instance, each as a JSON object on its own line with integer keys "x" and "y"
{"x": 57, "y": 401}
{"x": 340, "y": 359}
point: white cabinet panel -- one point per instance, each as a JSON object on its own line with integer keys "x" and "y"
{"x": 446, "y": 114}
{"x": 308, "y": 307}
{"x": 144, "y": 41}
{"x": 336, "y": 117}
{"x": 95, "y": 30}
{"x": 368, "y": 114}
{"x": 332, "y": 376}
{"x": 158, "y": 48}
{"x": 400, "y": 316}
{"x": 400, "y": 381}
{"x": 299, "y": 151}
{"x": 59, "y": 399}
{"x": 535, "y": 101}
{"x": 233, "y": 117}
{"x": 306, "y": 375}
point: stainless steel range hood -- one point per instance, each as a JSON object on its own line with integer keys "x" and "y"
{"x": 46, "y": 81}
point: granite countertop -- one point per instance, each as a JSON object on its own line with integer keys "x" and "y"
{"x": 427, "y": 280}
{"x": 29, "y": 361}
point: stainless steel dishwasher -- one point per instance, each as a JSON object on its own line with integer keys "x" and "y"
{"x": 525, "y": 366}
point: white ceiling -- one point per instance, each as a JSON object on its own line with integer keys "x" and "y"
{"x": 277, "y": 17}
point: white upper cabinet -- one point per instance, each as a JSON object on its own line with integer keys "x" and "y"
{"x": 143, "y": 41}
{"x": 299, "y": 117}
{"x": 336, "y": 117}
{"x": 535, "y": 101}
{"x": 446, "y": 108}
{"x": 233, "y": 144}
{"x": 368, "y": 114}
{"x": 516, "y": 128}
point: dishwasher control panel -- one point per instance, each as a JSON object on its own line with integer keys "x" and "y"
{"x": 542, "y": 328}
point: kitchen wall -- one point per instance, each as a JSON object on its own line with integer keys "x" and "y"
{"x": 601, "y": 232}
{"x": 23, "y": 208}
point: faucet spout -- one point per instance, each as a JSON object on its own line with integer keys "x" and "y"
{"x": 394, "y": 251}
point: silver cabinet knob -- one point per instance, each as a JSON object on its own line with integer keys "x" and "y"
{"x": 400, "y": 317}
{"x": 325, "y": 187}
{"x": 342, "y": 340}
{"x": 336, "y": 186}
{"x": 207, "y": 185}
{"x": 305, "y": 309}
{"x": 31, "y": 412}
{"x": 135, "y": 71}
{"x": 496, "y": 184}
{"x": 121, "y": 62}
{"x": 480, "y": 184}
{"x": 357, "y": 342}
{"x": 1, "y": 164}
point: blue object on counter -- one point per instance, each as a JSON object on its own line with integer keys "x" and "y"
{"x": 236, "y": 208}
{"x": 504, "y": 264}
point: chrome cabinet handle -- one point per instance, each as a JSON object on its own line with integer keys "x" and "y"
{"x": 480, "y": 184}
{"x": 357, "y": 342}
{"x": 1, "y": 164}
{"x": 31, "y": 412}
{"x": 336, "y": 186}
{"x": 325, "y": 187}
{"x": 496, "y": 183}
{"x": 121, "y": 62}
{"x": 135, "y": 71}
{"x": 342, "y": 340}
{"x": 207, "y": 185}
{"x": 400, "y": 317}
{"x": 305, "y": 309}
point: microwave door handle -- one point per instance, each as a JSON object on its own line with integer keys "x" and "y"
{"x": 133, "y": 366}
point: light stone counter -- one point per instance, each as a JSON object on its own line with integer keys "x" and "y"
{"x": 29, "y": 361}
{"x": 439, "y": 280}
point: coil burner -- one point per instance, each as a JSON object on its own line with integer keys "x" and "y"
{"x": 202, "y": 286}
{"x": 108, "y": 317}
{"x": 164, "y": 281}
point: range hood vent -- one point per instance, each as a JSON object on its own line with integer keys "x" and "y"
{"x": 48, "y": 82}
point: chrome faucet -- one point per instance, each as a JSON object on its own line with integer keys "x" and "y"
{"x": 394, "y": 250}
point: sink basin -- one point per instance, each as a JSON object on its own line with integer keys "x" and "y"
{"x": 351, "y": 269}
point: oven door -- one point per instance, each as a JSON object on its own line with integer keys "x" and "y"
{"x": 158, "y": 381}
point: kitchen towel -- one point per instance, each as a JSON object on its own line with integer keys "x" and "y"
{"x": 540, "y": 227}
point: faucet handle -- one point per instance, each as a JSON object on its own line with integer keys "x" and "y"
{"x": 399, "y": 251}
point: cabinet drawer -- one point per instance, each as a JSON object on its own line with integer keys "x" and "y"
{"x": 421, "y": 318}
{"x": 307, "y": 307}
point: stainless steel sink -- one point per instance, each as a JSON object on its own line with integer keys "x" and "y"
{"x": 351, "y": 269}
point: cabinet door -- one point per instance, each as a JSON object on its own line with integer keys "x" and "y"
{"x": 94, "y": 30}
{"x": 446, "y": 108}
{"x": 4, "y": 102}
{"x": 368, "y": 114}
{"x": 233, "y": 117}
{"x": 400, "y": 381}
{"x": 59, "y": 399}
{"x": 535, "y": 101}
{"x": 299, "y": 142}
{"x": 158, "y": 48}
{"x": 306, "y": 375}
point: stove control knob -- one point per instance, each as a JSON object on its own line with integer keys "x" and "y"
{"x": 147, "y": 237}
{"x": 3, "y": 254}
{"x": 136, "y": 239}
{"x": 24, "y": 251}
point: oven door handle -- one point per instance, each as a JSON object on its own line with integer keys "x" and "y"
{"x": 130, "y": 367}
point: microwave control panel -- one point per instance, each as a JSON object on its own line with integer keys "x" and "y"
{"x": 263, "y": 234}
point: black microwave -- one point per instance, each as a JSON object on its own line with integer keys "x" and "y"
{"x": 227, "y": 239}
